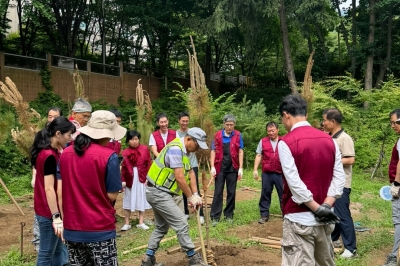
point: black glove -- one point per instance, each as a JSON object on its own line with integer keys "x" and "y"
{"x": 324, "y": 214}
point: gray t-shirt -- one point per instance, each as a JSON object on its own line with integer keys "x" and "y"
{"x": 259, "y": 147}
{"x": 192, "y": 155}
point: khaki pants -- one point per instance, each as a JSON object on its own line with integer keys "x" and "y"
{"x": 307, "y": 245}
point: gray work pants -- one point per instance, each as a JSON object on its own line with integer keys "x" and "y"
{"x": 167, "y": 214}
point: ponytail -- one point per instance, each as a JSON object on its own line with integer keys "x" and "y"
{"x": 42, "y": 141}
{"x": 81, "y": 143}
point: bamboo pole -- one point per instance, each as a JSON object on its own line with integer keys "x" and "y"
{"x": 11, "y": 197}
{"x": 145, "y": 246}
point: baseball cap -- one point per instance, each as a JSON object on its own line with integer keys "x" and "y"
{"x": 200, "y": 136}
{"x": 103, "y": 124}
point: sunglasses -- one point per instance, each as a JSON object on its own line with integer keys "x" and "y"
{"x": 397, "y": 122}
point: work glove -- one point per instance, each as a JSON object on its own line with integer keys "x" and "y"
{"x": 255, "y": 174}
{"x": 394, "y": 189}
{"x": 213, "y": 171}
{"x": 195, "y": 201}
{"x": 58, "y": 227}
{"x": 240, "y": 173}
{"x": 325, "y": 215}
{"x": 123, "y": 184}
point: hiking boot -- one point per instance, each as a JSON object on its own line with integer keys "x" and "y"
{"x": 347, "y": 254}
{"x": 337, "y": 244}
{"x": 263, "y": 220}
{"x": 150, "y": 261}
{"x": 391, "y": 261}
{"x": 196, "y": 260}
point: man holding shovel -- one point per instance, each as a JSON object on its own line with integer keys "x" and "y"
{"x": 169, "y": 176}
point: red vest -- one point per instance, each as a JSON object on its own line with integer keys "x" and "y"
{"x": 159, "y": 140}
{"x": 270, "y": 158}
{"x": 393, "y": 163}
{"x": 86, "y": 205}
{"x": 314, "y": 155}
{"x": 115, "y": 145}
{"x": 39, "y": 197}
{"x": 139, "y": 157}
{"x": 219, "y": 150}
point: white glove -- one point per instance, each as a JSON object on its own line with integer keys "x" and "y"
{"x": 240, "y": 173}
{"x": 213, "y": 171}
{"x": 123, "y": 184}
{"x": 195, "y": 200}
{"x": 394, "y": 190}
{"x": 58, "y": 227}
{"x": 255, "y": 174}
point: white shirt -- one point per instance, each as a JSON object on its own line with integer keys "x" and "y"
{"x": 152, "y": 141}
{"x": 300, "y": 192}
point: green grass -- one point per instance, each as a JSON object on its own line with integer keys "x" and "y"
{"x": 373, "y": 212}
{"x": 18, "y": 186}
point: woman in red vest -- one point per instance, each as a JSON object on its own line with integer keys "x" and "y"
{"x": 45, "y": 154}
{"x": 90, "y": 182}
{"x": 135, "y": 165}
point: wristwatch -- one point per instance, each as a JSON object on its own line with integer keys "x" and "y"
{"x": 55, "y": 215}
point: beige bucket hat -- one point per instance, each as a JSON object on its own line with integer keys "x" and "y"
{"x": 103, "y": 124}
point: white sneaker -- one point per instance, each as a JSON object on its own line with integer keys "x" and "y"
{"x": 126, "y": 227}
{"x": 142, "y": 226}
{"x": 347, "y": 254}
{"x": 201, "y": 220}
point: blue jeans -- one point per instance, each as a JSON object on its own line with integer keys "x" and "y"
{"x": 50, "y": 247}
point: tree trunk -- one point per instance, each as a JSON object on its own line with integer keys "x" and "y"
{"x": 321, "y": 40}
{"x": 370, "y": 43}
{"x": 207, "y": 70}
{"x": 343, "y": 28}
{"x": 353, "y": 39}
{"x": 286, "y": 48}
{"x": 386, "y": 62}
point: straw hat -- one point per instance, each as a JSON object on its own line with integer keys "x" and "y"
{"x": 103, "y": 124}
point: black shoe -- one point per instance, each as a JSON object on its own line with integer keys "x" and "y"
{"x": 150, "y": 261}
{"x": 196, "y": 260}
{"x": 263, "y": 220}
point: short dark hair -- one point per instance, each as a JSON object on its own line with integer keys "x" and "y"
{"x": 395, "y": 111}
{"x": 161, "y": 115}
{"x": 116, "y": 112}
{"x": 272, "y": 124}
{"x": 131, "y": 134}
{"x": 183, "y": 114}
{"x": 294, "y": 105}
{"x": 333, "y": 114}
{"x": 55, "y": 109}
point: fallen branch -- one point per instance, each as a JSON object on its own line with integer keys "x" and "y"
{"x": 145, "y": 246}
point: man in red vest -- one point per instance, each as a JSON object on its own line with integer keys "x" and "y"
{"x": 267, "y": 154}
{"x": 162, "y": 136}
{"x": 394, "y": 178}
{"x": 226, "y": 161}
{"x": 332, "y": 119}
{"x": 313, "y": 180}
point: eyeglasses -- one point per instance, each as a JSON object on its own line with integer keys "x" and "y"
{"x": 397, "y": 122}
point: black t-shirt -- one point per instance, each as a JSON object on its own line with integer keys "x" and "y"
{"x": 227, "y": 166}
{"x": 50, "y": 166}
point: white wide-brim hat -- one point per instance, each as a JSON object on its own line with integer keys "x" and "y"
{"x": 103, "y": 124}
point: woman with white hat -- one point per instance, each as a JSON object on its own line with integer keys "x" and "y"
{"x": 90, "y": 182}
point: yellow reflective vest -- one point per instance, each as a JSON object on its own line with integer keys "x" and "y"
{"x": 163, "y": 177}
